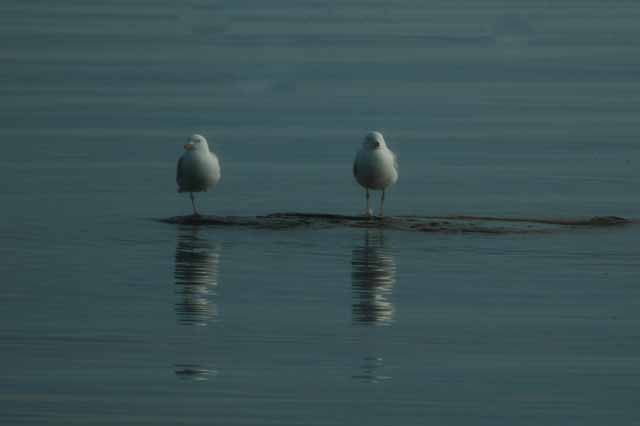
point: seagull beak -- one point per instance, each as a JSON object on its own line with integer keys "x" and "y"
{"x": 188, "y": 146}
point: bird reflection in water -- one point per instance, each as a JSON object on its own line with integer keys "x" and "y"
{"x": 193, "y": 372}
{"x": 371, "y": 370}
{"x": 373, "y": 277}
{"x": 196, "y": 276}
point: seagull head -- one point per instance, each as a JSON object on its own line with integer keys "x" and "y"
{"x": 196, "y": 143}
{"x": 374, "y": 140}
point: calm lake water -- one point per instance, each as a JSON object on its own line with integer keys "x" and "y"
{"x": 494, "y": 108}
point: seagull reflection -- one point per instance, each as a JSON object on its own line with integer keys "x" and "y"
{"x": 193, "y": 372}
{"x": 196, "y": 276}
{"x": 373, "y": 276}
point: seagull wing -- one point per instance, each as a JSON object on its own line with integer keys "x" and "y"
{"x": 355, "y": 167}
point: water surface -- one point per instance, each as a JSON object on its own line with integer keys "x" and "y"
{"x": 526, "y": 110}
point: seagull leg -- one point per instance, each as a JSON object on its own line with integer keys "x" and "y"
{"x": 193, "y": 204}
{"x": 382, "y": 204}
{"x": 369, "y": 212}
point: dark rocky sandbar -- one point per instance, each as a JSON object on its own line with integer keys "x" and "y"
{"x": 442, "y": 224}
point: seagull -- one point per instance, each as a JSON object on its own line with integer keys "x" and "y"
{"x": 375, "y": 167}
{"x": 198, "y": 168}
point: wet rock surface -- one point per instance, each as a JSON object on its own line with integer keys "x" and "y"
{"x": 441, "y": 224}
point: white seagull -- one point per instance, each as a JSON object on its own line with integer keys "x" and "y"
{"x": 198, "y": 168}
{"x": 375, "y": 167}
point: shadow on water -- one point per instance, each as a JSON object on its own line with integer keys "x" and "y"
{"x": 196, "y": 276}
{"x": 373, "y": 277}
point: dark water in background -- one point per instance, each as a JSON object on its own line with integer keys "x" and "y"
{"x": 494, "y": 108}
